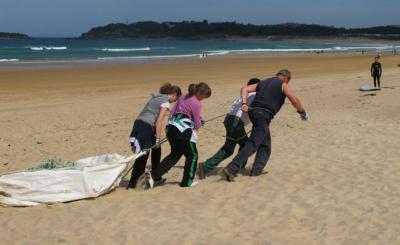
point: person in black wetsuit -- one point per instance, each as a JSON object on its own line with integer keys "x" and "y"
{"x": 376, "y": 72}
{"x": 270, "y": 96}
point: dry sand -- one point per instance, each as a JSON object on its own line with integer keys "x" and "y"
{"x": 331, "y": 180}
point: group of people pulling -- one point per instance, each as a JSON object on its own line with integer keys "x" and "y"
{"x": 259, "y": 102}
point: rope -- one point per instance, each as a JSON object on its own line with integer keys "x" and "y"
{"x": 212, "y": 119}
{"x": 218, "y": 107}
{"x": 142, "y": 153}
{"x": 227, "y": 137}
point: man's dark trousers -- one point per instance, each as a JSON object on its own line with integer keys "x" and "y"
{"x": 259, "y": 141}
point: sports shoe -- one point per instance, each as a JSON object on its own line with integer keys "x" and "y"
{"x": 200, "y": 171}
{"x": 229, "y": 177}
{"x": 145, "y": 182}
{"x": 254, "y": 174}
{"x": 159, "y": 181}
{"x": 194, "y": 184}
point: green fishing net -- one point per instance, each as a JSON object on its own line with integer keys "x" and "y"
{"x": 53, "y": 163}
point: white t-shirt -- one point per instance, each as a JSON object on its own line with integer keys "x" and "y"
{"x": 236, "y": 108}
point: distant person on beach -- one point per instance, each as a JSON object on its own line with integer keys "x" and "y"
{"x": 270, "y": 96}
{"x": 234, "y": 123}
{"x": 183, "y": 125}
{"x": 376, "y": 72}
{"x": 146, "y": 131}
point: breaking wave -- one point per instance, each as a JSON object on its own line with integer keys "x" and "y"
{"x": 41, "y": 48}
{"x": 149, "y": 57}
{"x": 9, "y": 60}
{"x": 125, "y": 49}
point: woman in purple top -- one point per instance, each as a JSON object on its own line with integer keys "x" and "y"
{"x": 189, "y": 106}
{"x": 185, "y": 120}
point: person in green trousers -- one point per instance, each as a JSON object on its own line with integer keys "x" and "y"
{"x": 234, "y": 123}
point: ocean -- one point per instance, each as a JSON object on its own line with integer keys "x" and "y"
{"x": 58, "y": 49}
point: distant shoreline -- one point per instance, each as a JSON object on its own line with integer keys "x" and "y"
{"x": 261, "y": 38}
{"x": 338, "y": 39}
{"x": 202, "y": 30}
{"x": 128, "y": 61}
{"x": 10, "y": 39}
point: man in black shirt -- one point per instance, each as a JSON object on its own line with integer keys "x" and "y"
{"x": 376, "y": 72}
{"x": 270, "y": 96}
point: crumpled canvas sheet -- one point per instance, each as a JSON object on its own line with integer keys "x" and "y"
{"x": 92, "y": 177}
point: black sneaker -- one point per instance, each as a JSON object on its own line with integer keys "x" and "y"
{"x": 200, "y": 171}
{"x": 130, "y": 186}
{"x": 254, "y": 174}
{"x": 159, "y": 181}
{"x": 229, "y": 177}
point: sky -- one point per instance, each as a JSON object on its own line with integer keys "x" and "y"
{"x": 70, "y": 18}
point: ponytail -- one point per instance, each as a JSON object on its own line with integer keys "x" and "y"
{"x": 200, "y": 88}
{"x": 192, "y": 90}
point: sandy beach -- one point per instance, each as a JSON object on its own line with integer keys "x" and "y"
{"x": 331, "y": 180}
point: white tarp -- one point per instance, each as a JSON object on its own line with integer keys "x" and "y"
{"x": 92, "y": 177}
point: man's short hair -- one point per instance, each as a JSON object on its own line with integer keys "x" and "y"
{"x": 253, "y": 81}
{"x": 285, "y": 73}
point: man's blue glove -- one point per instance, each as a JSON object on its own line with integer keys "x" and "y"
{"x": 303, "y": 115}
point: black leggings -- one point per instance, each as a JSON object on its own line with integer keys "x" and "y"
{"x": 180, "y": 145}
{"x": 145, "y": 134}
{"x": 377, "y": 77}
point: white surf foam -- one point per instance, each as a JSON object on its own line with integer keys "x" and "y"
{"x": 349, "y": 48}
{"x": 163, "y": 47}
{"x": 149, "y": 57}
{"x": 216, "y": 52}
{"x": 125, "y": 49}
{"x": 41, "y": 48}
{"x": 9, "y": 60}
{"x": 289, "y": 50}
